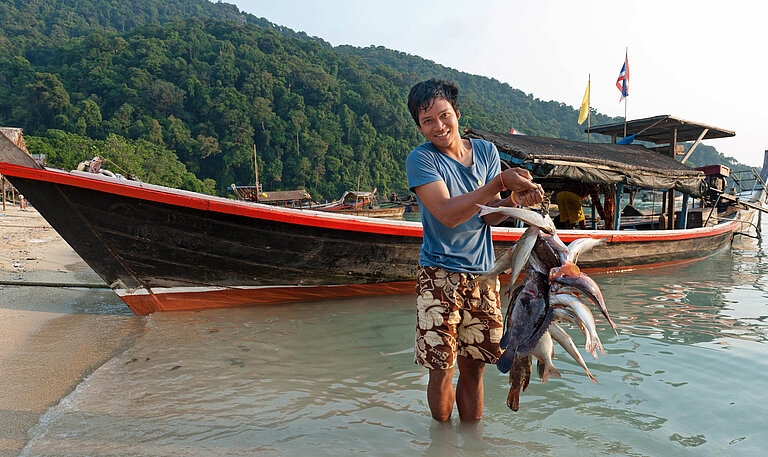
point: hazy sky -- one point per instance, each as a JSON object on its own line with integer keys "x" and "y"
{"x": 702, "y": 60}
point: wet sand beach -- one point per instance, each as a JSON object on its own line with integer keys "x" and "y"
{"x": 50, "y": 338}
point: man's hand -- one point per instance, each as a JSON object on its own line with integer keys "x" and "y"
{"x": 519, "y": 181}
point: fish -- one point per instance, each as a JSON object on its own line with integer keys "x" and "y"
{"x": 564, "y": 340}
{"x": 530, "y": 316}
{"x": 566, "y": 315}
{"x": 544, "y": 351}
{"x": 582, "y": 245}
{"x": 548, "y": 294}
{"x": 544, "y": 223}
{"x": 585, "y": 319}
{"x": 557, "y": 245}
{"x": 514, "y": 258}
{"x": 569, "y": 275}
{"x": 555, "y": 242}
{"x": 519, "y": 377}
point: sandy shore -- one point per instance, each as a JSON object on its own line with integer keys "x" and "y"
{"x": 50, "y": 338}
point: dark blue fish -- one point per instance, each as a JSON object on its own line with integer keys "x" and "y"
{"x": 529, "y": 319}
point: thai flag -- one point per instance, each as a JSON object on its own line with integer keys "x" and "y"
{"x": 623, "y": 82}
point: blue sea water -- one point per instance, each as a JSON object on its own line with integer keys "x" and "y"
{"x": 685, "y": 376}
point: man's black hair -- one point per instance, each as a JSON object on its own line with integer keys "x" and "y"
{"x": 424, "y": 94}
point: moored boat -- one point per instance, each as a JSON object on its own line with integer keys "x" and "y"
{"x": 364, "y": 204}
{"x": 166, "y": 249}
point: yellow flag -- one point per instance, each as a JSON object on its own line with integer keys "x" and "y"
{"x": 584, "y": 107}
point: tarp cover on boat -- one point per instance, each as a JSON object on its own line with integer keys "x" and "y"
{"x": 596, "y": 163}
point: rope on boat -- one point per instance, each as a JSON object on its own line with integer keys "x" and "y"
{"x": 747, "y": 234}
{"x": 44, "y": 227}
{"x": 81, "y": 285}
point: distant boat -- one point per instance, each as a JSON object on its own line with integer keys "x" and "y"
{"x": 288, "y": 198}
{"x": 362, "y": 204}
{"x": 161, "y": 249}
{"x": 409, "y": 202}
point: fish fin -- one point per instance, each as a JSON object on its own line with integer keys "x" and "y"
{"x": 550, "y": 371}
{"x": 593, "y": 379}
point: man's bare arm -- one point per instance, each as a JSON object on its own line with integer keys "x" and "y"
{"x": 454, "y": 211}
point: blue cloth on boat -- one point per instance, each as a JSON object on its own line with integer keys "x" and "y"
{"x": 466, "y": 248}
{"x": 627, "y": 139}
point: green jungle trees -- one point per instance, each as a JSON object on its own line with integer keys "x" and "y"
{"x": 190, "y": 94}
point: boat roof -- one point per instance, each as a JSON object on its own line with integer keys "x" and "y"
{"x": 358, "y": 194}
{"x": 596, "y": 163}
{"x": 284, "y": 195}
{"x": 658, "y": 130}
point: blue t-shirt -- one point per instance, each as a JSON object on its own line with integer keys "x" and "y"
{"x": 466, "y": 248}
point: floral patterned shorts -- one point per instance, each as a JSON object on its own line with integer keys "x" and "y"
{"x": 456, "y": 318}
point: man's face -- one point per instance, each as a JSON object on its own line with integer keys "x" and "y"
{"x": 440, "y": 123}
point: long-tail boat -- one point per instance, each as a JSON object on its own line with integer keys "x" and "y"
{"x": 358, "y": 203}
{"x": 160, "y": 248}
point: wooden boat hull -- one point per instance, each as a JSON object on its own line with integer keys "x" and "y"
{"x": 394, "y": 212}
{"x": 165, "y": 249}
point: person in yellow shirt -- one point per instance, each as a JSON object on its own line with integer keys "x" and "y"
{"x": 569, "y": 199}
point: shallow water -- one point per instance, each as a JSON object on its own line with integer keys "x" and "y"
{"x": 684, "y": 377}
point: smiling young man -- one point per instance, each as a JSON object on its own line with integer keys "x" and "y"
{"x": 459, "y": 322}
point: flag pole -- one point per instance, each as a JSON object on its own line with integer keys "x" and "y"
{"x": 625, "y": 117}
{"x": 626, "y": 81}
{"x": 589, "y": 109}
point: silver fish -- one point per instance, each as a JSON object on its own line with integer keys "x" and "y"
{"x": 544, "y": 351}
{"x": 569, "y": 275}
{"x": 564, "y": 340}
{"x": 557, "y": 245}
{"x": 515, "y": 258}
{"x": 544, "y": 223}
{"x": 581, "y": 245}
{"x": 566, "y": 315}
{"x": 584, "y": 315}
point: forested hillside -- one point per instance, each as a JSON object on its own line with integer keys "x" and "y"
{"x": 181, "y": 93}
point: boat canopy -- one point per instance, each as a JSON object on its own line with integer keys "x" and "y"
{"x": 659, "y": 130}
{"x": 255, "y": 194}
{"x": 595, "y": 163}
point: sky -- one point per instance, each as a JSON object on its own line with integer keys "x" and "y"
{"x": 698, "y": 60}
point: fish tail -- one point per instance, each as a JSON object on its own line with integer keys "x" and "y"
{"x": 526, "y": 361}
{"x": 550, "y": 371}
{"x": 504, "y": 340}
{"x": 487, "y": 278}
{"x": 513, "y": 398}
{"x": 505, "y": 362}
{"x": 485, "y": 210}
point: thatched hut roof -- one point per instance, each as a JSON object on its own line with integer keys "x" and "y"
{"x": 597, "y": 163}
